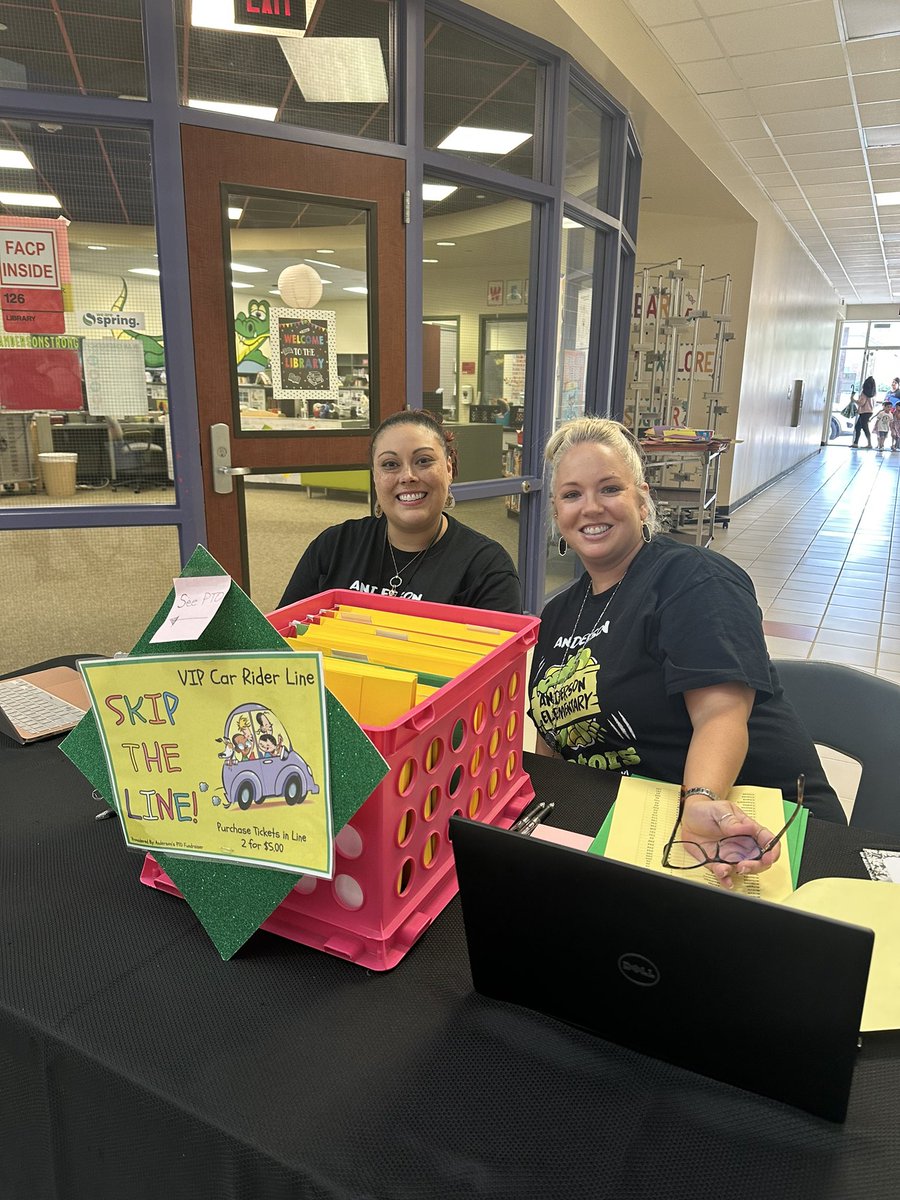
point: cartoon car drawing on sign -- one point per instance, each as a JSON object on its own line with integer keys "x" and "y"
{"x": 259, "y": 761}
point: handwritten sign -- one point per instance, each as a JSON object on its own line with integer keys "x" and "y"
{"x": 304, "y": 365}
{"x": 219, "y": 756}
{"x": 196, "y": 601}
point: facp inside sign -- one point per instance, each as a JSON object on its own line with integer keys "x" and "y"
{"x": 28, "y": 258}
{"x": 280, "y": 15}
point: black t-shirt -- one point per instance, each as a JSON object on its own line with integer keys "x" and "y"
{"x": 463, "y": 567}
{"x": 609, "y": 694}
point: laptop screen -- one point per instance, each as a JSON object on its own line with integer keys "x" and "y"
{"x": 725, "y": 985}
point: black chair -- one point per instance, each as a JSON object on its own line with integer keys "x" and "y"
{"x": 859, "y": 715}
{"x": 139, "y": 462}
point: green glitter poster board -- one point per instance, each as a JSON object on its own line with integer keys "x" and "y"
{"x": 231, "y": 902}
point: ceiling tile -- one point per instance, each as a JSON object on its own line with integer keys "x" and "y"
{"x": 887, "y": 173}
{"x": 885, "y": 113}
{"x": 715, "y": 8}
{"x": 884, "y": 155}
{"x": 877, "y": 85}
{"x": 875, "y": 54}
{"x": 796, "y": 26}
{"x": 784, "y": 192}
{"x": 710, "y": 76}
{"x": 792, "y": 97}
{"x": 688, "y": 41}
{"x": 664, "y": 12}
{"x": 754, "y": 147}
{"x": 839, "y": 158}
{"x": 842, "y": 117}
{"x": 787, "y": 66}
{"x": 837, "y": 189}
{"x": 869, "y": 18}
{"x": 848, "y": 174}
{"x": 763, "y": 166}
{"x": 728, "y": 104}
{"x": 801, "y": 143}
{"x": 742, "y": 127}
{"x": 848, "y": 204}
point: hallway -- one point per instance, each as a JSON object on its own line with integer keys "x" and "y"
{"x": 821, "y": 548}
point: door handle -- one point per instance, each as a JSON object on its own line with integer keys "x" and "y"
{"x": 222, "y": 470}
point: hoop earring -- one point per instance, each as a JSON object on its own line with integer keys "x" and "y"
{"x": 562, "y": 547}
{"x": 378, "y": 510}
{"x": 646, "y": 533}
{"x": 450, "y": 502}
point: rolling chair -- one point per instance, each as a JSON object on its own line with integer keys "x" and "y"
{"x": 859, "y": 715}
{"x": 138, "y": 462}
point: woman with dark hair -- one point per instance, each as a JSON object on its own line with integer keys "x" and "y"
{"x": 865, "y": 406}
{"x": 411, "y": 547}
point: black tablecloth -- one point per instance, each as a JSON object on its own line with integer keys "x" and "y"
{"x": 134, "y": 1063}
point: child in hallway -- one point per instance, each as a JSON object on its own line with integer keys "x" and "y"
{"x": 895, "y": 427}
{"x": 883, "y": 422}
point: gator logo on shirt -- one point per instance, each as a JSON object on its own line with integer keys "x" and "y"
{"x": 565, "y": 701}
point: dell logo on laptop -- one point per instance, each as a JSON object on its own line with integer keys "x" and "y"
{"x": 638, "y": 969}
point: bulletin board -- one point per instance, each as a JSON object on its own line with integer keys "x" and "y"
{"x": 41, "y": 379}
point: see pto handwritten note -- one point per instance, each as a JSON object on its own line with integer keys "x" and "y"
{"x": 196, "y": 601}
{"x": 220, "y": 756}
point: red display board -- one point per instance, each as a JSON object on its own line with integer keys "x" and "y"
{"x": 41, "y": 379}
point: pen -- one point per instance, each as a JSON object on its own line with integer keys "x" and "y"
{"x": 531, "y": 820}
{"x": 524, "y": 817}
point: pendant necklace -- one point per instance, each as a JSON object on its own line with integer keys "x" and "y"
{"x": 396, "y": 580}
{"x": 597, "y": 624}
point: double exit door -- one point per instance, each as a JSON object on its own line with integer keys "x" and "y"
{"x": 329, "y": 224}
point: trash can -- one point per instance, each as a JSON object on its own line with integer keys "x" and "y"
{"x": 58, "y": 471}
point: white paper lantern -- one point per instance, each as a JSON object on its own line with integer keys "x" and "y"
{"x": 300, "y": 286}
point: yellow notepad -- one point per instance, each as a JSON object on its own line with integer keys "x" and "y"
{"x": 645, "y": 815}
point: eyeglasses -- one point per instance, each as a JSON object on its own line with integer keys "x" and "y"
{"x": 729, "y": 850}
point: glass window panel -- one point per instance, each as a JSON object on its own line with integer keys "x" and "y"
{"x": 299, "y": 278}
{"x": 286, "y": 511}
{"x": 337, "y": 76}
{"x": 588, "y": 141}
{"x": 477, "y": 250}
{"x": 483, "y": 96}
{"x": 575, "y": 306}
{"x": 82, "y": 365}
{"x": 854, "y": 333}
{"x": 884, "y": 366}
{"x": 103, "y": 604}
{"x": 440, "y": 365}
{"x": 884, "y": 333}
{"x": 496, "y": 517}
{"x": 83, "y": 47}
{"x": 632, "y": 200}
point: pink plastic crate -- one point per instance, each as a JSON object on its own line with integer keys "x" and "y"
{"x": 460, "y": 751}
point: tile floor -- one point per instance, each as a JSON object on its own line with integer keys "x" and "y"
{"x": 821, "y": 550}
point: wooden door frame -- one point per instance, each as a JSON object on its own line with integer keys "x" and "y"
{"x": 212, "y": 157}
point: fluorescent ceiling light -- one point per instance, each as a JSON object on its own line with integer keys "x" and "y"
{"x": 324, "y": 252}
{"x": 245, "y": 270}
{"x": 445, "y": 243}
{"x": 483, "y": 141}
{"x": 143, "y": 271}
{"x": 430, "y": 260}
{"x": 98, "y": 247}
{"x": 15, "y": 160}
{"x": 882, "y": 135}
{"x": 363, "y": 291}
{"x": 235, "y": 214}
{"x": 438, "y": 191}
{"x": 259, "y": 111}
{"x": 219, "y": 14}
{"x": 568, "y": 223}
{"x": 338, "y": 70}
{"x": 274, "y": 292}
{"x": 235, "y": 284}
{"x": 29, "y": 200}
{"x": 331, "y": 266}
{"x": 883, "y": 198}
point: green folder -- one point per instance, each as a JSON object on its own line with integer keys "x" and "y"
{"x": 794, "y": 837}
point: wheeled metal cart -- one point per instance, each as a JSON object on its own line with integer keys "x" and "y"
{"x": 17, "y": 459}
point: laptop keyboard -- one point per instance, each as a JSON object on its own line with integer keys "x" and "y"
{"x": 34, "y": 711}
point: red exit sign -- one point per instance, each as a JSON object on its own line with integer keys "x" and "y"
{"x": 272, "y": 14}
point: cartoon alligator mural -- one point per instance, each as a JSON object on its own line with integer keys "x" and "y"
{"x": 251, "y": 332}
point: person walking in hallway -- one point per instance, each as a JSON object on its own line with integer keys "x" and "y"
{"x": 866, "y": 405}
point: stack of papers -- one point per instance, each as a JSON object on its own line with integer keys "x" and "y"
{"x": 643, "y": 817}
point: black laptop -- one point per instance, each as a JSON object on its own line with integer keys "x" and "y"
{"x": 742, "y": 990}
